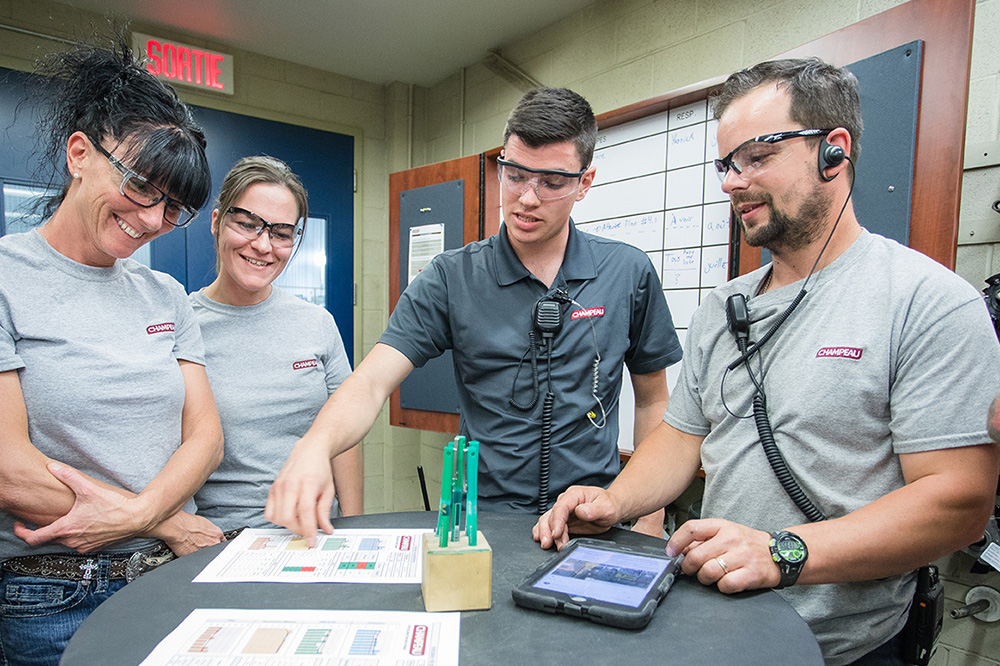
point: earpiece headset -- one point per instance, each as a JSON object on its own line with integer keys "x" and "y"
{"x": 829, "y": 156}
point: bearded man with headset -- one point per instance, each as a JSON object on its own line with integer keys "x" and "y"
{"x": 877, "y": 364}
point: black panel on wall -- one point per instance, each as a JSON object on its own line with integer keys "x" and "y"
{"x": 431, "y": 387}
{"x": 890, "y": 92}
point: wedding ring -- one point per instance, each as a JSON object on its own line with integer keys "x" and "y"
{"x": 722, "y": 565}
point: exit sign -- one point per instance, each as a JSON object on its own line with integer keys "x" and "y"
{"x": 185, "y": 65}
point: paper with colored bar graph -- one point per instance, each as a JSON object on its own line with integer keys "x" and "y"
{"x": 233, "y": 637}
{"x": 346, "y": 556}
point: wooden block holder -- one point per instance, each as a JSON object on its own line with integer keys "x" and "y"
{"x": 459, "y": 576}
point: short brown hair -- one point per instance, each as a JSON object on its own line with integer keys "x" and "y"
{"x": 823, "y": 96}
{"x": 553, "y": 115}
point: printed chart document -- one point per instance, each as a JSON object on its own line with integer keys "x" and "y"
{"x": 346, "y": 556}
{"x": 426, "y": 242}
{"x": 236, "y": 637}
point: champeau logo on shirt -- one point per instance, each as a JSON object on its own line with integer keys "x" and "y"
{"x": 302, "y": 365}
{"x": 160, "y": 328}
{"x": 853, "y": 353}
{"x": 588, "y": 312}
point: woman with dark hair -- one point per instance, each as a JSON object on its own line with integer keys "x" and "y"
{"x": 272, "y": 358}
{"x": 107, "y": 421}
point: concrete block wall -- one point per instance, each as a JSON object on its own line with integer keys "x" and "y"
{"x": 981, "y": 187}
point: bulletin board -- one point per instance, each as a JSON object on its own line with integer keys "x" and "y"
{"x": 463, "y": 195}
{"x": 656, "y": 189}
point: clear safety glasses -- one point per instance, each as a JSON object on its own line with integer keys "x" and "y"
{"x": 755, "y": 156}
{"x": 140, "y": 191}
{"x": 548, "y": 184}
{"x": 250, "y": 226}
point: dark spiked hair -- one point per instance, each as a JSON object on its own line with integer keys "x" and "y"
{"x": 553, "y": 115}
{"x": 106, "y": 93}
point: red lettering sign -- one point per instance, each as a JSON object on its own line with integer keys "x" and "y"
{"x": 302, "y": 365}
{"x": 186, "y": 64}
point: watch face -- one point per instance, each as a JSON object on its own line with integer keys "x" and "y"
{"x": 790, "y": 548}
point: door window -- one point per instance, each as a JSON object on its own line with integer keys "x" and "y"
{"x": 305, "y": 274}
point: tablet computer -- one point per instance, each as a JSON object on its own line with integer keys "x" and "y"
{"x": 602, "y": 581}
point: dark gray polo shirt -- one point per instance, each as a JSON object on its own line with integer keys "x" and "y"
{"x": 478, "y": 301}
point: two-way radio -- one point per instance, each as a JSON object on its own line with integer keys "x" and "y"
{"x": 547, "y": 320}
{"x": 546, "y": 323}
{"x": 546, "y": 317}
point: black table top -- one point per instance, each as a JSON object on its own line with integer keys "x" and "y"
{"x": 694, "y": 625}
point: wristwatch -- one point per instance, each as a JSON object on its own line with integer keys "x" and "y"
{"x": 789, "y": 552}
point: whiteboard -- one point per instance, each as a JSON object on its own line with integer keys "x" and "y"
{"x": 656, "y": 188}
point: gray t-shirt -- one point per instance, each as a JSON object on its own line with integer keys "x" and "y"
{"x": 889, "y": 353}
{"x": 272, "y": 366}
{"x": 96, "y": 351}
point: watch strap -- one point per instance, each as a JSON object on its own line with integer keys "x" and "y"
{"x": 789, "y": 570}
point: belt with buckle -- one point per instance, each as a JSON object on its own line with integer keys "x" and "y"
{"x": 70, "y": 566}
{"x": 145, "y": 561}
{"x": 65, "y": 567}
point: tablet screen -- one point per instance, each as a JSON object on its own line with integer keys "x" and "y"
{"x": 612, "y": 577}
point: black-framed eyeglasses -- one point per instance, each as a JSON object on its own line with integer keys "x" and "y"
{"x": 140, "y": 191}
{"x": 548, "y": 184}
{"x": 250, "y": 226}
{"x": 755, "y": 156}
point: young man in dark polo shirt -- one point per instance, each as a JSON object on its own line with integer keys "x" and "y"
{"x": 479, "y": 301}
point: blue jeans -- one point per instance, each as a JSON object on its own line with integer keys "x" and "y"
{"x": 38, "y": 616}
